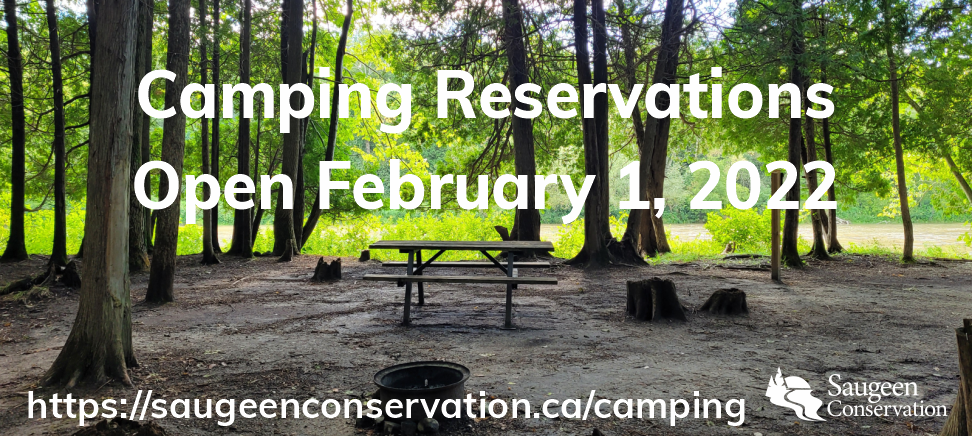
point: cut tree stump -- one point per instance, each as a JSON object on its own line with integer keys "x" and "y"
{"x": 325, "y": 272}
{"x": 960, "y": 420}
{"x": 365, "y": 256}
{"x": 726, "y": 302}
{"x": 639, "y": 300}
{"x": 653, "y": 299}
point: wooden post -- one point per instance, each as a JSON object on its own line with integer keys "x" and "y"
{"x": 960, "y": 419}
{"x": 776, "y": 178}
{"x": 964, "y": 336}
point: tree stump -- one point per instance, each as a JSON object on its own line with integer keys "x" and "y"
{"x": 72, "y": 275}
{"x": 639, "y": 299}
{"x": 325, "y": 272}
{"x": 960, "y": 420}
{"x": 726, "y": 302}
{"x": 365, "y": 256}
{"x": 653, "y": 299}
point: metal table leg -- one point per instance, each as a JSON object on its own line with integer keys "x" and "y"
{"x": 421, "y": 286}
{"x": 508, "y": 324}
{"x": 408, "y": 289}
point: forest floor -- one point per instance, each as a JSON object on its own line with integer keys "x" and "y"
{"x": 260, "y": 329}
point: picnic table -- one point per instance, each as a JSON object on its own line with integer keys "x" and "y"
{"x": 415, "y": 267}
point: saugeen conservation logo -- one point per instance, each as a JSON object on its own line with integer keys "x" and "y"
{"x": 794, "y": 393}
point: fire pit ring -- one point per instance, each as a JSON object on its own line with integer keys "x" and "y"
{"x": 429, "y": 380}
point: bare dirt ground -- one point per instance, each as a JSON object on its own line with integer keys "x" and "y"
{"x": 260, "y": 329}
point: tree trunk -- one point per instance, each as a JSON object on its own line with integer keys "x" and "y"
{"x": 833, "y": 245}
{"x": 214, "y": 164}
{"x": 819, "y": 249}
{"x": 209, "y": 252}
{"x": 147, "y": 23}
{"x": 59, "y": 253}
{"x": 283, "y": 220}
{"x": 299, "y": 223}
{"x": 907, "y": 254}
{"x": 524, "y": 154}
{"x": 258, "y": 216}
{"x": 958, "y": 175}
{"x": 298, "y": 211}
{"x": 789, "y": 252}
{"x": 16, "y": 242}
{"x": 644, "y": 231}
{"x": 162, "y": 273}
{"x": 242, "y": 244}
{"x": 597, "y": 232}
{"x": 99, "y": 346}
{"x": 137, "y": 252}
{"x": 639, "y": 234}
{"x": 315, "y": 213}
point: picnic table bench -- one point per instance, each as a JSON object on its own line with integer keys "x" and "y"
{"x": 415, "y": 267}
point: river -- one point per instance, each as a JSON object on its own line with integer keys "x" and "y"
{"x": 886, "y": 235}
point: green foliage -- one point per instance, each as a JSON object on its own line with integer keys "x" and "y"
{"x": 39, "y": 226}
{"x": 749, "y": 229}
{"x": 967, "y": 237}
{"x": 190, "y": 239}
{"x": 570, "y": 239}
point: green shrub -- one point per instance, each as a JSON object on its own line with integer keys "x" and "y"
{"x": 190, "y": 239}
{"x": 750, "y": 230}
{"x": 570, "y": 239}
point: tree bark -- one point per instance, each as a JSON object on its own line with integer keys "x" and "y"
{"x": 639, "y": 232}
{"x": 146, "y": 25}
{"x": 646, "y": 232}
{"x": 283, "y": 220}
{"x": 258, "y": 216}
{"x": 524, "y": 154}
{"x": 162, "y": 274}
{"x": 59, "y": 252}
{"x": 597, "y": 232}
{"x": 819, "y": 249}
{"x": 209, "y": 252}
{"x": 958, "y": 175}
{"x": 833, "y": 245}
{"x": 16, "y": 242}
{"x": 789, "y": 252}
{"x": 308, "y": 78}
{"x": 242, "y": 244}
{"x": 99, "y": 346}
{"x": 137, "y": 252}
{"x": 214, "y": 164}
{"x": 907, "y": 254}
{"x": 315, "y": 213}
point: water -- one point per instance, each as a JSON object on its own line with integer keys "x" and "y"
{"x": 885, "y": 235}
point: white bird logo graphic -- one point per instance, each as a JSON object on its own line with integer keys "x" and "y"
{"x": 794, "y": 393}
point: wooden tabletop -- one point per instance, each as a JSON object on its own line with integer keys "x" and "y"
{"x": 463, "y": 245}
